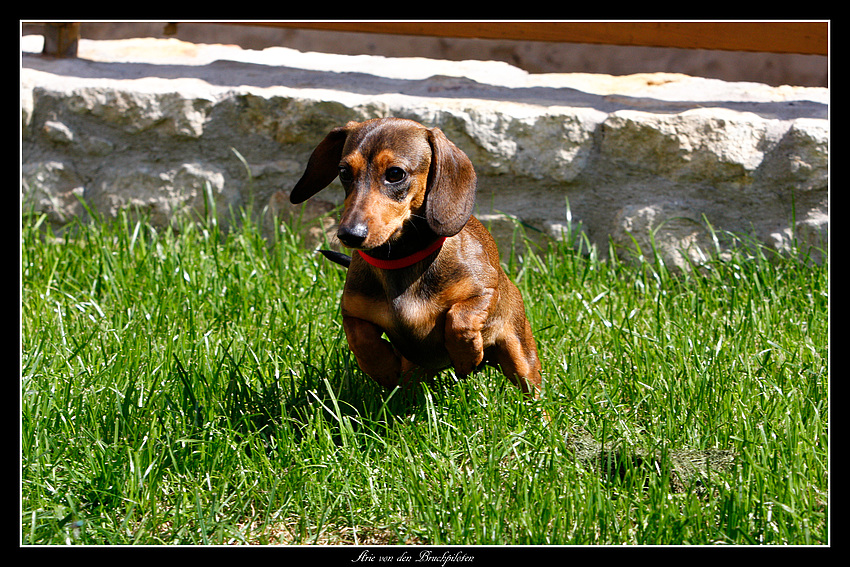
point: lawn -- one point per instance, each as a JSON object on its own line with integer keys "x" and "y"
{"x": 193, "y": 386}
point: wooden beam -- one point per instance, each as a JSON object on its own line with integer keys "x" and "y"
{"x": 61, "y": 39}
{"x": 810, "y": 38}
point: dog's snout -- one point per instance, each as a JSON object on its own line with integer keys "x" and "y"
{"x": 353, "y": 235}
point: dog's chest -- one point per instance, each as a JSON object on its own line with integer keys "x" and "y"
{"x": 411, "y": 306}
{"x": 416, "y": 328}
{"x": 414, "y": 313}
{"x": 393, "y": 301}
{"x": 414, "y": 318}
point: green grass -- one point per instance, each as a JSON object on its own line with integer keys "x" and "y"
{"x": 194, "y": 387}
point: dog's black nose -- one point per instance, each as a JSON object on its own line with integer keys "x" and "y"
{"x": 353, "y": 236}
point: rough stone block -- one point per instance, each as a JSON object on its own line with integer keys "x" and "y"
{"x": 645, "y": 160}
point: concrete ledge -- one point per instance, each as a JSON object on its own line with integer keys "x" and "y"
{"x": 162, "y": 124}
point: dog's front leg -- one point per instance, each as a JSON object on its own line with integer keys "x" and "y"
{"x": 464, "y": 342}
{"x": 375, "y": 355}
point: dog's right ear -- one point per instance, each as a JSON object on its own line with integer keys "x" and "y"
{"x": 322, "y": 167}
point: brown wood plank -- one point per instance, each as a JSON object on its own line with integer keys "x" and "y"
{"x": 810, "y": 38}
{"x": 61, "y": 39}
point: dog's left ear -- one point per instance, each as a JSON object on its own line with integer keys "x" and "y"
{"x": 322, "y": 167}
{"x": 451, "y": 186}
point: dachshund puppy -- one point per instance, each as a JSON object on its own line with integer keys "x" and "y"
{"x": 424, "y": 271}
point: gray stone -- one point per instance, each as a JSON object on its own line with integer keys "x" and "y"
{"x": 51, "y": 188}
{"x": 651, "y": 162}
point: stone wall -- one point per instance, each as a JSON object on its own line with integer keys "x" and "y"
{"x": 165, "y": 125}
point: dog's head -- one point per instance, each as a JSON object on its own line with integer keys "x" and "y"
{"x": 393, "y": 171}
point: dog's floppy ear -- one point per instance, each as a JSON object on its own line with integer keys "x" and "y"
{"x": 451, "y": 186}
{"x": 322, "y": 167}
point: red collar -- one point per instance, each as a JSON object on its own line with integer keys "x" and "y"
{"x": 407, "y": 260}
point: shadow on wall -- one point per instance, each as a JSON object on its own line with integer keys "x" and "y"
{"x": 532, "y": 56}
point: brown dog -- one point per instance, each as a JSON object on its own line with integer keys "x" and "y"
{"x": 426, "y": 272}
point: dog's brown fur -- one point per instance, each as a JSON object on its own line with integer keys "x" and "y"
{"x": 406, "y": 188}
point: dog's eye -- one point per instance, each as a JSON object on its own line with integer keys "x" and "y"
{"x": 395, "y": 174}
{"x": 345, "y": 174}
